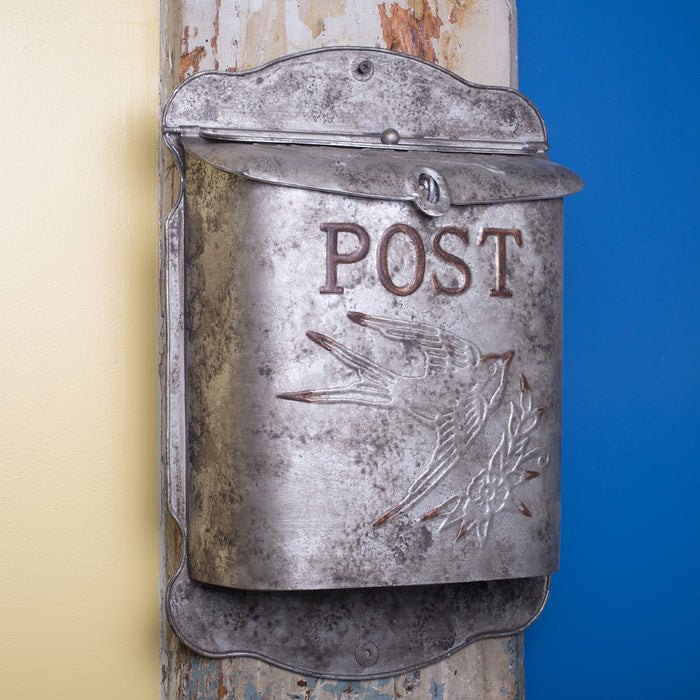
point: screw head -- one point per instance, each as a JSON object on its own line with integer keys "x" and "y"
{"x": 362, "y": 69}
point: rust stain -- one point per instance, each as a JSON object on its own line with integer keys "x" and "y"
{"x": 314, "y": 13}
{"x": 460, "y": 9}
{"x": 221, "y": 690}
{"x": 452, "y": 51}
{"x": 386, "y": 517}
{"x": 524, "y": 386}
{"x": 410, "y": 30}
{"x": 190, "y": 60}
{"x": 215, "y": 37}
{"x": 434, "y": 513}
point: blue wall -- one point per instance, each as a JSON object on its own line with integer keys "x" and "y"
{"x": 617, "y": 83}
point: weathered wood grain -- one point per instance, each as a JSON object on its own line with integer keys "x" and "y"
{"x": 487, "y": 670}
{"x": 475, "y": 38}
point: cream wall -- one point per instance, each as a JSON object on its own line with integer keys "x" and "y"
{"x": 78, "y": 406}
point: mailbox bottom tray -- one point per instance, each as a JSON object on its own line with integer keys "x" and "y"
{"x": 350, "y": 633}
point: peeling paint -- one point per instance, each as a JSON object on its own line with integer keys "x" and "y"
{"x": 410, "y": 30}
{"x": 437, "y": 690}
{"x": 221, "y": 690}
{"x": 460, "y": 9}
{"x": 411, "y": 681}
{"x": 451, "y": 48}
{"x": 358, "y": 691}
{"x": 196, "y": 680}
{"x": 514, "y": 648}
{"x": 475, "y": 38}
{"x": 266, "y": 34}
{"x": 468, "y": 674}
{"x": 313, "y": 13}
{"x": 190, "y": 60}
{"x": 251, "y": 692}
{"x": 215, "y": 36}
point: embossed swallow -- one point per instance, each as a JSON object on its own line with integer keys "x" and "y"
{"x": 491, "y": 491}
{"x": 457, "y": 392}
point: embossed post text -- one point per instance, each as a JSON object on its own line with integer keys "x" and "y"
{"x": 335, "y": 258}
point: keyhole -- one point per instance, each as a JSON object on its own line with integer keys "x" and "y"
{"x": 427, "y": 184}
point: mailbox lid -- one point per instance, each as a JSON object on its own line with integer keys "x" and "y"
{"x": 371, "y": 123}
{"x": 465, "y": 178}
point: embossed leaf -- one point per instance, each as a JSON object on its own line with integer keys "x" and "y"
{"x": 513, "y": 421}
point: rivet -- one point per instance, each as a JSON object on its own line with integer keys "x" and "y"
{"x": 366, "y": 653}
{"x": 390, "y": 137}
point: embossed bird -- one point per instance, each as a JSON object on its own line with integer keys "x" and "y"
{"x": 458, "y": 390}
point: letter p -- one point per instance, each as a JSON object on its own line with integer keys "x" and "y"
{"x": 334, "y": 258}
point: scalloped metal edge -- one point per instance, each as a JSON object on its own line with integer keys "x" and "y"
{"x": 227, "y": 75}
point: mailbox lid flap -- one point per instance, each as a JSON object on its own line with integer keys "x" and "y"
{"x": 464, "y": 178}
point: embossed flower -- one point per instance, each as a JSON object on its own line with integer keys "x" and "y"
{"x": 490, "y": 490}
{"x": 489, "y": 493}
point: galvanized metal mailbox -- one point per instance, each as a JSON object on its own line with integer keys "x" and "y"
{"x": 364, "y": 323}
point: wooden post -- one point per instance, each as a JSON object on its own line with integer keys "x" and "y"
{"x": 475, "y": 38}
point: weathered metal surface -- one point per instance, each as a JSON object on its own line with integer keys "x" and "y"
{"x": 252, "y": 252}
{"x": 364, "y": 633}
{"x": 443, "y": 130}
{"x": 251, "y": 301}
{"x": 467, "y": 178}
{"x": 478, "y": 40}
{"x": 322, "y": 97}
{"x": 402, "y": 396}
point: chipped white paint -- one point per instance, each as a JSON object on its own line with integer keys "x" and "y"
{"x": 475, "y": 38}
{"x": 489, "y": 670}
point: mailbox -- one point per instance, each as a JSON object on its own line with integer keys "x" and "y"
{"x": 363, "y": 360}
